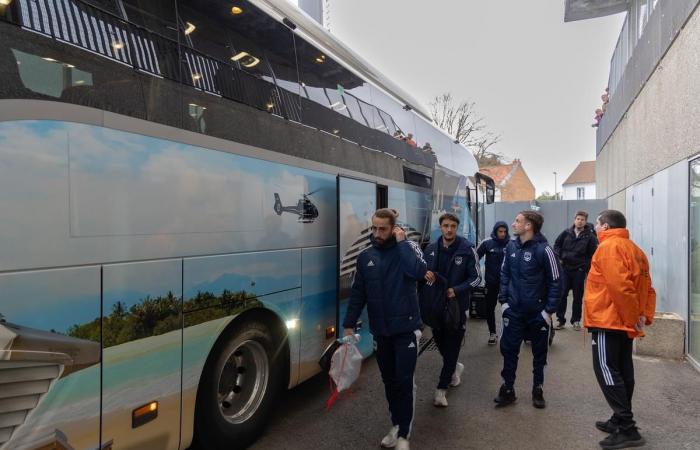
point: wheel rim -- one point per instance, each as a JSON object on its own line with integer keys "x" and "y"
{"x": 243, "y": 381}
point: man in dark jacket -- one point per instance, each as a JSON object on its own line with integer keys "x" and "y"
{"x": 574, "y": 247}
{"x": 494, "y": 248}
{"x": 386, "y": 277}
{"x": 530, "y": 286}
{"x": 453, "y": 258}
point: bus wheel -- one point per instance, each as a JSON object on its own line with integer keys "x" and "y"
{"x": 239, "y": 384}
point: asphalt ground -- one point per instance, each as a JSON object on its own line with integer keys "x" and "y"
{"x": 666, "y": 404}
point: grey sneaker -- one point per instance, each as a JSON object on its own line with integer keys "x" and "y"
{"x": 577, "y": 326}
{"x": 440, "y": 399}
{"x": 457, "y": 375}
{"x": 493, "y": 338}
{"x": 560, "y": 325}
{"x": 391, "y": 438}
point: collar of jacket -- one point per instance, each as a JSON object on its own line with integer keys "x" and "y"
{"x": 455, "y": 244}
{"x": 536, "y": 239}
{"x": 613, "y": 232}
{"x": 585, "y": 229}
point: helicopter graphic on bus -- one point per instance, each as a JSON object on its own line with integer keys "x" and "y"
{"x": 304, "y": 208}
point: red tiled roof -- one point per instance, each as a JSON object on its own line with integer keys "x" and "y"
{"x": 498, "y": 173}
{"x": 583, "y": 173}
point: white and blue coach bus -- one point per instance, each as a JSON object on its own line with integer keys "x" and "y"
{"x": 184, "y": 187}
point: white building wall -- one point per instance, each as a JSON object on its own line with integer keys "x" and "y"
{"x": 569, "y": 191}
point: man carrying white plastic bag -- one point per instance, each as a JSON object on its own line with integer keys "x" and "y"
{"x": 345, "y": 366}
{"x": 385, "y": 280}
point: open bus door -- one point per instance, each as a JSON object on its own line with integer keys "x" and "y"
{"x": 357, "y": 201}
{"x": 451, "y": 195}
{"x": 483, "y": 192}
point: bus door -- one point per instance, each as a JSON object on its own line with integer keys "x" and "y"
{"x": 357, "y": 201}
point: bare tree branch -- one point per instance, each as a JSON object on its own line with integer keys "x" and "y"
{"x": 462, "y": 123}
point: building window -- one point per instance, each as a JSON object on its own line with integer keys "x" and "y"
{"x": 580, "y": 193}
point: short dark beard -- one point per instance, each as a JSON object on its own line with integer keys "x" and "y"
{"x": 388, "y": 242}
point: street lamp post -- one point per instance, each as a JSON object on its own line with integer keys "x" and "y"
{"x": 555, "y": 186}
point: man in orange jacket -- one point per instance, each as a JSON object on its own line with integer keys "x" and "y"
{"x": 619, "y": 301}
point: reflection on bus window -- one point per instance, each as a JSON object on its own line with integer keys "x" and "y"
{"x": 49, "y": 76}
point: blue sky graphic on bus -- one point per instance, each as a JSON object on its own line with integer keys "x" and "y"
{"x": 153, "y": 198}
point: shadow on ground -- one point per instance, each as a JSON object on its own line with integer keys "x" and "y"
{"x": 666, "y": 404}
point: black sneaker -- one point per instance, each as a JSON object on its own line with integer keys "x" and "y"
{"x": 623, "y": 439}
{"x": 493, "y": 339}
{"x": 538, "y": 397}
{"x": 505, "y": 397}
{"x": 607, "y": 426}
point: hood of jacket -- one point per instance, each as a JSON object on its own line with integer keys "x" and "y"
{"x": 500, "y": 224}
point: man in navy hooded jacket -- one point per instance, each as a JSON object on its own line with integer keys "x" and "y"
{"x": 530, "y": 287}
{"x": 494, "y": 249}
{"x": 385, "y": 280}
{"x": 453, "y": 258}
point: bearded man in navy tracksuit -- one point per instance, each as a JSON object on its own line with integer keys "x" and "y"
{"x": 385, "y": 280}
{"x": 494, "y": 249}
{"x": 452, "y": 257}
{"x": 530, "y": 287}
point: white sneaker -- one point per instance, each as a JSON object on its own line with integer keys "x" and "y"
{"x": 440, "y": 399}
{"x": 391, "y": 438}
{"x": 456, "y": 380}
{"x": 402, "y": 444}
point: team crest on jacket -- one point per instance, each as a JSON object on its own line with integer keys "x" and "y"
{"x": 458, "y": 260}
{"x": 527, "y": 256}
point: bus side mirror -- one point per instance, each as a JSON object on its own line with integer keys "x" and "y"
{"x": 490, "y": 194}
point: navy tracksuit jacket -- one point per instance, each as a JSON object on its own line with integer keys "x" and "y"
{"x": 459, "y": 265}
{"x": 530, "y": 286}
{"x": 385, "y": 280}
{"x": 493, "y": 249}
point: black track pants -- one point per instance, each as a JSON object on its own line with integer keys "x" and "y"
{"x": 449, "y": 345}
{"x": 491, "y": 300}
{"x": 612, "y": 364}
{"x": 573, "y": 280}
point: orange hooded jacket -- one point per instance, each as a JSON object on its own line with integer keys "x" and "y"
{"x": 618, "y": 288}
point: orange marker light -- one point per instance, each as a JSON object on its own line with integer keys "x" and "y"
{"x": 144, "y": 414}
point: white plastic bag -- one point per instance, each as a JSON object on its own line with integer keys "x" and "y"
{"x": 345, "y": 367}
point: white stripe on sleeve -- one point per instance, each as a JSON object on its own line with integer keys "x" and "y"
{"x": 476, "y": 282}
{"x": 416, "y": 250}
{"x": 552, "y": 262}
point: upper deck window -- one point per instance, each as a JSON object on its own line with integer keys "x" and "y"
{"x": 48, "y": 76}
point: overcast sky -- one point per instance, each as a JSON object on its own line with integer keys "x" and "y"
{"x": 535, "y": 79}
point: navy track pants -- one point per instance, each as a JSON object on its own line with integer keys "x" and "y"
{"x": 396, "y": 357}
{"x": 516, "y": 327}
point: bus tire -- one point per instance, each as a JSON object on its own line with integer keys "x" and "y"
{"x": 241, "y": 379}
